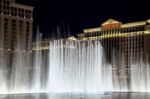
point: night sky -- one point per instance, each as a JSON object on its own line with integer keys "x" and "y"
{"x": 80, "y": 14}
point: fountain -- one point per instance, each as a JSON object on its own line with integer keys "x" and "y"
{"x": 71, "y": 68}
{"x": 81, "y": 69}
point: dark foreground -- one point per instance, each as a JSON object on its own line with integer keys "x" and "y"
{"x": 79, "y": 96}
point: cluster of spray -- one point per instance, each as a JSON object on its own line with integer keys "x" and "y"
{"x": 68, "y": 66}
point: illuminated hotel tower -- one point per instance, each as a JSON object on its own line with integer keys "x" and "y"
{"x": 15, "y": 27}
{"x": 124, "y": 44}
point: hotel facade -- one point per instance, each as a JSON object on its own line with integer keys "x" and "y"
{"x": 124, "y": 44}
{"x": 16, "y": 22}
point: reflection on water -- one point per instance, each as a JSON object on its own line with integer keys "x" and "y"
{"x": 79, "y": 96}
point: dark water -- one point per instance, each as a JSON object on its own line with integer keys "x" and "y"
{"x": 79, "y": 96}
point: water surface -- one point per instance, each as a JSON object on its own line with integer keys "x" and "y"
{"x": 79, "y": 96}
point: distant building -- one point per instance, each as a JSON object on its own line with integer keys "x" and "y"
{"x": 16, "y": 22}
{"x": 44, "y": 44}
{"x": 41, "y": 45}
{"x": 124, "y": 44}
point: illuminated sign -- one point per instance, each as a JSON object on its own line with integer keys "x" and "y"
{"x": 109, "y": 24}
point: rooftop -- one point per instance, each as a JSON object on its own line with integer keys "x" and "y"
{"x": 112, "y": 22}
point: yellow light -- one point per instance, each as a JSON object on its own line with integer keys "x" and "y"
{"x": 114, "y": 35}
{"x": 147, "y": 32}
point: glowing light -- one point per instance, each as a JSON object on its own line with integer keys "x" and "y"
{"x": 105, "y": 36}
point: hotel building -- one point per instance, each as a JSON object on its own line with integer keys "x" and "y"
{"x": 15, "y": 28}
{"x": 124, "y": 44}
